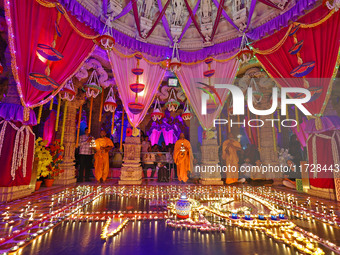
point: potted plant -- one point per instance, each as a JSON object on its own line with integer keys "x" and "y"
{"x": 42, "y": 160}
{"x": 57, "y": 151}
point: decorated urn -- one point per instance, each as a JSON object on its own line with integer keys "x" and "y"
{"x": 183, "y": 207}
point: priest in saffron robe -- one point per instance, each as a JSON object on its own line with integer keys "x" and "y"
{"x": 229, "y": 154}
{"x": 101, "y": 163}
{"x": 183, "y": 158}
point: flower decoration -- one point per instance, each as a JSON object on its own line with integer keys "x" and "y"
{"x": 172, "y": 103}
{"x": 57, "y": 153}
{"x": 128, "y": 132}
{"x": 43, "y": 156}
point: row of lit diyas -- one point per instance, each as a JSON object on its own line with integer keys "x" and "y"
{"x": 302, "y": 210}
{"x": 202, "y": 225}
{"x": 105, "y": 232}
{"x": 320, "y": 240}
{"x": 54, "y": 217}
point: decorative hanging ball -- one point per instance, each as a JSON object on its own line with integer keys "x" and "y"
{"x": 135, "y": 108}
{"x": 42, "y": 82}
{"x": 68, "y": 92}
{"x": 137, "y": 87}
{"x": 186, "y": 115}
{"x": 209, "y": 73}
{"x": 175, "y": 65}
{"x": 303, "y": 70}
{"x": 294, "y": 30}
{"x": 172, "y": 105}
{"x": 208, "y": 61}
{"x": 296, "y": 48}
{"x": 48, "y": 52}
{"x": 105, "y": 41}
{"x": 92, "y": 89}
{"x": 139, "y": 56}
{"x": 157, "y": 115}
{"x": 137, "y": 71}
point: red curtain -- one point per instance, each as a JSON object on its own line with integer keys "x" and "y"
{"x": 321, "y": 151}
{"x": 320, "y": 44}
{"x": 31, "y": 24}
{"x": 6, "y": 157}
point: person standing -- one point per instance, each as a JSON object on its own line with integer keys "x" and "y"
{"x": 101, "y": 163}
{"x": 230, "y": 148}
{"x": 85, "y": 156}
{"x": 183, "y": 158}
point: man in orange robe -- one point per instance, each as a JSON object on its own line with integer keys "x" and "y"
{"x": 101, "y": 163}
{"x": 183, "y": 158}
{"x": 229, "y": 154}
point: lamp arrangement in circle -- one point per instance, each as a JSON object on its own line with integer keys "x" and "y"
{"x": 157, "y": 113}
{"x": 137, "y": 87}
{"x": 110, "y": 105}
{"x": 92, "y": 90}
{"x": 105, "y": 40}
{"x": 172, "y": 103}
{"x": 175, "y": 63}
{"x": 186, "y": 115}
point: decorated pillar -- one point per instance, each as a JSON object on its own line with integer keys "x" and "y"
{"x": 69, "y": 174}
{"x": 210, "y": 158}
{"x": 16, "y": 143}
{"x": 131, "y": 171}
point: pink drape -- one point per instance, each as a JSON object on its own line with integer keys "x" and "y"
{"x": 190, "y": 75}
{"x": 301, "y": 135}
{"x": 154, "y": 137}
{"x": 168, "y": 136}
{"x": 31, "y": 24}
{"x": 49, "y": 128}
{"x": 152, "y": 77}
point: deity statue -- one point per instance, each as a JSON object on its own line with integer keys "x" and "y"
{"x": 178, "y": 7}
{"x": 206, "y": 10}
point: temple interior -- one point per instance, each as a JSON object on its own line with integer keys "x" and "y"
{"x": 169, "y": 127}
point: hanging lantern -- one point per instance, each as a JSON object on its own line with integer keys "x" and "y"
{"x": 110, "y": 104}
{"x": 92, "y": 90}
{"x": 137, "y": 71}
{"x": 137, "y": 87}
{"x": 42, "y": 82}
{"x": 157, "y": 113}
{"x": 296, "y": 48}
{"x": 209, "y": 73}
{"x": 303, "y": 70}
{"x": 245, "y": 54}
{"x": 48, "y": 52}
{"x": 175, "y": 63}
{"x": 105, "y": 40}
{"x": 68, "y": 92}
{"x": 208, "y": 60}
{"x": 172, "y": 103}
{"x": 186, "y": 115}
{"x": 92, "y": 87}
{"x": 135, "y": 108}
{"x": 211, "y": 106}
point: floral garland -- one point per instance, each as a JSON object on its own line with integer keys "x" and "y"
{"x": 20, "y": 151}
{"x": 43, "y": 156}
{"x": 56, "y": 150}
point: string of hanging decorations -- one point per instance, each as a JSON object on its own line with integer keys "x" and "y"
{"x": 187, "y": 114}
{"x": 136, "y": 107}
{"x": 172, "y": 103}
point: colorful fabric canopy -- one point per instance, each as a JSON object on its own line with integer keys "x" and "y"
{"x": 320, "y": 32}
{"x": 151, "y": 78}
{"x": 190, "y": 76}
{"x": 34, "y": 23}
